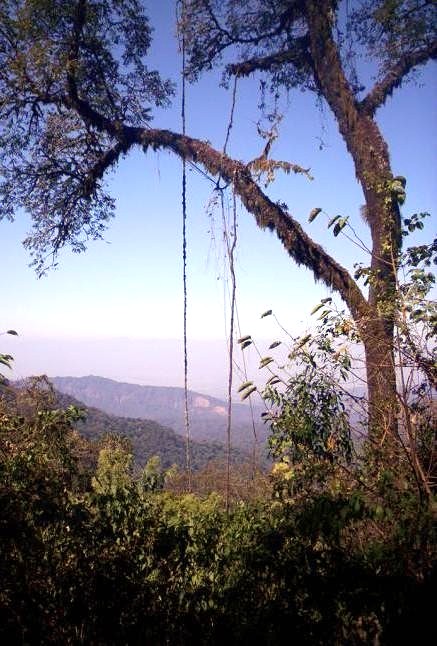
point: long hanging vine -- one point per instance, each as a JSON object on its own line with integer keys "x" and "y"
{"x": 230, "y": 252}
{"x": 230, "y": 248}
{"x": 184, "y": 258}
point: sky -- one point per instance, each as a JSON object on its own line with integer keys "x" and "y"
{"x": 117, "y": 309}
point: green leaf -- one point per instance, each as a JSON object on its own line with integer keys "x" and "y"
{"x": 244, "y": 338}
{"x": 248, "y": 393}
{"x": 273, "y": 380}
{"x": 265, "y": 361}
{"x": 316, "y": 309}
{"x": 5, "y": 359}
{"x": 303, "y": 341}
{"x": 246, "y": 344}
{"x": 339, "y": 226}
{"x": 245, "y": 385}
{"x": 267, "y": 313}
{"x": 332, "y": 220}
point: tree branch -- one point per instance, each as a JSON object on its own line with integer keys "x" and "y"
{"x": 394, "y": 77}
{"x": 297, "y": 243}
{"x": 267, "y": 214}
{"x": 108, "y": 159}
{"x": 284, "y": 19}
{"x": 297, "y": 55}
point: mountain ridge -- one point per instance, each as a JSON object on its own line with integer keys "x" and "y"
{"x": 165, "y": 405}
{"x": 147, "y": 437}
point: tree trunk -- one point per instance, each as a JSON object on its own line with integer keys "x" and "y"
{"x": 372, "y": 166}
{"x": 381, "y": 386}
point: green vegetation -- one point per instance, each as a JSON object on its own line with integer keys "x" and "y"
{"x": 146, "y": 437}
{"x": 94, "y": 551}
{"x": 332, "y": 546}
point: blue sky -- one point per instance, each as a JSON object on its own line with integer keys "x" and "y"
{"x": 127, "y": 290}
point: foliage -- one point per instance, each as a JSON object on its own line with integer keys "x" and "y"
{"x": 113, "y": 471}
{"x": 6, "y": 359}
{"x": 309, "y": 425}
{"x": 248, "y": 480}
{"x": 50, "y": 158}
{"x": 112, "y": 558}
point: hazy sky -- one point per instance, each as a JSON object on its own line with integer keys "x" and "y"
{"x": 128, "y": 288}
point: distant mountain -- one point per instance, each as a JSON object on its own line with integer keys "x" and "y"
{"x": 165, "y": 405}
{"x": 147, "y": 438}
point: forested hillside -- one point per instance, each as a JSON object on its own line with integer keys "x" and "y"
{"x": 165, "y": 405}
{"x": 146, "y": 437}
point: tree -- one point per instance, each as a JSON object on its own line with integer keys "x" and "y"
{"x": 76, "y": 96}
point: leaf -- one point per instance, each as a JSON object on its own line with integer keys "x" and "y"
{"x": 316, "y": 309}
{"x": 303, "y": 341}
{"x": 314, "y": 213}
{"x": 274, "y": 345}
{"x": 244, "y": 338}
{"x": 245, "y": 385}
{"x": 339, "y": 226}
{"x": 323, "y": 302}
{"x": 248, "y": 393}
{"x": 265, "y": 361}
{"x": 267, "y": 313}
{"x": 246, "y": 344}
{"x": 332, "y": 220}
{"x": 5, "y": 359}
{"x": 12, "y": 332}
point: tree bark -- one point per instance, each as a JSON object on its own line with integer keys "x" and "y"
{"x": 381, "y": 384}
{"x": 372, "y": 166}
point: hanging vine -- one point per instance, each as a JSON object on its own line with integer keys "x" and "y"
{"x": 184, "y": 257}
{"x": 230, "y": 249}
